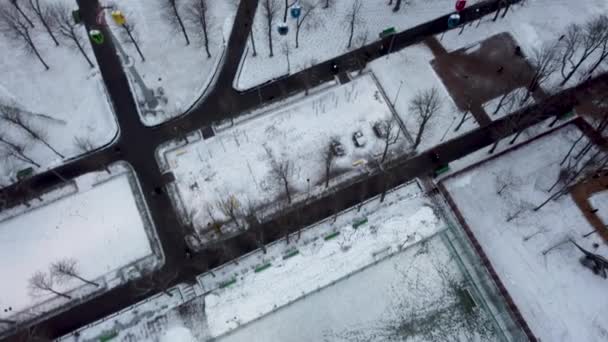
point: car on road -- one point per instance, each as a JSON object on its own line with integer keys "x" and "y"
{"x": 334, "y": 67}
{"x": 337, "y": 148}
{"x": 381, "y": 129}
{"x": 359, "y": 139}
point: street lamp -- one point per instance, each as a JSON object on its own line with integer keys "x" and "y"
{"x": 398, "y": 91}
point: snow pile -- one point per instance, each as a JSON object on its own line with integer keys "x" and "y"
{"x": 560, "y": 299}
{"x": 408, "y": 72}
{"x": 236, "y": 162}
{"x": 98, "y": 222}
{"x": 178, "y": 334}
{"x": 175, "y": 74}
{"x": 66, "y": 103}
{"x": 329, "y": 29}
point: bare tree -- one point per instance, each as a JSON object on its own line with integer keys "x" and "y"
{"x": 84, "y": 144}
{"x": 582, "y": 42}
{"x": 390, "y": 137}
{"x": 424, "y": 105}
{"x": 15, "y": 26}
{"x": 286, "y": 50}
{"x": 281, "y": 171}
{"x": 42, "y": 282}
{"x": 353, "y": 18}
{"x": 66, "y": 269}
{"x": 231, "y": 208}
{"x": 15, "y": 116}
{"x": 68, "y": 29}
{"x": 269, "y": 10}
{"x": 171, "y": 13}
{"x": 15, "y": 150}
{"x": 19, "y": 10}
{"x": 129, "y": 29}
{"x": 328, "y": 161}
{"x": 44, "y": 14}
{"x": 544, "y": 65}
{"x": 307, "y": 9}
{"x": 464, "y": 114}
{"x": 603, "y": 54}
{"x": 398, "y": 4}
{"x": 197, "y": 14}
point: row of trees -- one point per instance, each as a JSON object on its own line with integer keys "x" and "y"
{"x": 23, "y": 21}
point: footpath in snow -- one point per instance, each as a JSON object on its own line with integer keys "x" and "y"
{"x": 560, "y": 299}
{"x": 241, "y": 165}
{"x": 174, "y": 75}
{"x": 97, "y": 222}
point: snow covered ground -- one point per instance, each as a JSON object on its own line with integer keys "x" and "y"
{"x": 328, "y": 28}
{"x": 560, "y": 299}
{"x": 403, "y": 75}
{"x": 416, "y": 295}
{"x": 66, "y": 104}
{"x": 174, "y": 75}
{"x": 392, "y": 270}
{"x": 236, "y": 162}
{"x": 600, "y": 201}
{"x": 534, "y": 24}
{"x": 99, "y": 220}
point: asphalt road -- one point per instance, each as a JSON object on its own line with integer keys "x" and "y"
{"x": 137, "y": 144}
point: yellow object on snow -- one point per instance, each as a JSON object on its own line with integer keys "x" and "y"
{"x": 118, "y": 17}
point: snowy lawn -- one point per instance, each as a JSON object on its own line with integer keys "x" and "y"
{"x": 534, "y": 24}
{"x": 67, "y": 104}
{"x": 599, "y": 201}
{"x": 560, "y": 299}
{"x": 176, "y": 75}
{"x": 416, "y": 74}
{"x": 98, "y": 220}
{"x": 329, "y": 29}
{"x": 235, "y": 165}
{"x": 416, "y": 295}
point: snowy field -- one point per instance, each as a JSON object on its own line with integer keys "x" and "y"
{"x": 328, "y": 28}
{"x": 236, "y": 165}
{"x": 534, "y": 24}
{"x": 600, "y": 201}
{"x": 416, "y": 295}
{"x": 66, "y": 106}
{"x": 408, "y": 72}
{"x": 417, "y": 282}
{"x": 174, "y": 75}
{"x": 97, "y": 220}
{"x": 560, "y": 299}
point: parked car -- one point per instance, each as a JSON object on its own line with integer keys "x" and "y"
{"x": 337, "y": 148}
{"x": 381, "y": 129}
{"x": 359, "y": 139}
